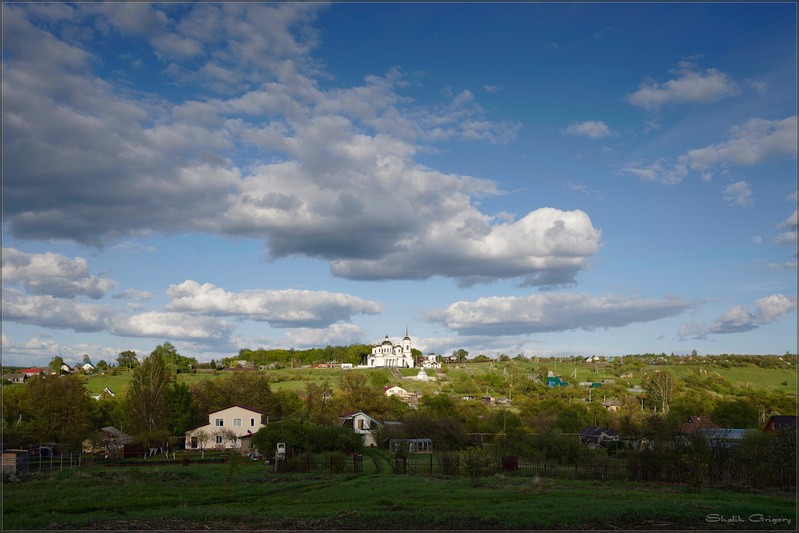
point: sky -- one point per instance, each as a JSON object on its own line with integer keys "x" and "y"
{"x": 542, "y": 179}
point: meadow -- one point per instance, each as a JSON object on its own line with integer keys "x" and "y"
{"x": 784, "y": 379}
{"x": 248, "y": 495}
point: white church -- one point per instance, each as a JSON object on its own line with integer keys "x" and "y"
{"x": 389, "y": 354}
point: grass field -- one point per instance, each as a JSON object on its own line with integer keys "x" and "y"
{"x": 251, "y": 496}
{"x": 296, "y": 378}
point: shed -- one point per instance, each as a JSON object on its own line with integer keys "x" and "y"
{"x": 15, "y": 461}
{"x": 413, "y": 445}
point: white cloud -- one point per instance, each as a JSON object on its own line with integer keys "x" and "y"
{"x": 180, "y": 326}
{"x": 47, "y": 311}
{"x": 53, "y": 274}
{"x": 39, "y": 352}
{"x": 174, "y": 162}
{"x": 333, "y": 335}
{"x": 788, "y": 237}
{"x": 661, "y": 171}
{"x": 537, "y": 313}
{"x": 133, "y": 294}
{"x": 589, "y": 128}
{"x": 692, "y": 85}
{"x": 281, "y": 308}
{"x": 740, "y": 319}
{"x": 756, "y": 141}
{"x": 738, "y": 193}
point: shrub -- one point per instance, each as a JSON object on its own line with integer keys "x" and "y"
{"x": 478, "y": 463}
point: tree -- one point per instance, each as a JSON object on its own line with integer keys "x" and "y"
{"x": 174, "y": 359}
{"x": 147, "y": 398}
{"x": 128, "y": 359}
{"x": 659, "y": 386}
{"x": 202, "y": 437}
{"x": 55, "y": 364}
{"x": 102, "y": 366}
{"x": 180, "y": 408}
{"x": 60, "y": 408}
{"x": 461, "y": 355}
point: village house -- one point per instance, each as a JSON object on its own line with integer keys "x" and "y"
{"x": 779, "y": 422}
{"x": 16, "y": 378}
{"x": 30, "y": 372}
{"x": 362, "y": 424}
{"x": 611, "y": 405}
{"x": 229, "y": 428}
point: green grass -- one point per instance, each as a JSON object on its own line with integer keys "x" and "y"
{"x": 297, "y": 378}
{"x": 199, "y": 497}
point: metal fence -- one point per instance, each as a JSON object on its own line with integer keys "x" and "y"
{"x": 606, "y": 469}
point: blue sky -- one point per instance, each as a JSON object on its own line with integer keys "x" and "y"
{"x": 549, "y": 179}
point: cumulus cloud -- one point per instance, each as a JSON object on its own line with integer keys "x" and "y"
{"x": 740, "y": 318}
{"x": 789, "y": 236}
{"x": 339, "y": 178}
{"x": 756, "y": 141}
{"x": 180, "y": 326}
{"x": 691, "y": 85}
{"x": 39, "y": 352}
{"x": 538, "y": 313}
{"x": 738, "y": 193}
{"x": 53, "y": 274}
{"x": 589, "y": 128}
{"x": 47, "y": 311}
{"x": 281, "y": 308}
{"x": 333, "y": 335}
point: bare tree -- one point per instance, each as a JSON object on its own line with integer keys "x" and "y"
{"x": 659, "y": 386}
{"x": 202, "y": 437}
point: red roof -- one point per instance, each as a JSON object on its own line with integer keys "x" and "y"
{"x": 31, "y": 370}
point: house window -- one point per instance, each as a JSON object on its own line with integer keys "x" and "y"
{"x": 219, "y": 422}
{"x": 219, "y": 439}
{"x": 360, "y": 423}
{"x": 237, "y": 422}
{"x": 252, "y": 422}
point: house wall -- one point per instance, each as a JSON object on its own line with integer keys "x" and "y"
{"x": 225, "y": 420}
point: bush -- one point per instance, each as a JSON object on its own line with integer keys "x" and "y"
{"x": 478, "y": 463}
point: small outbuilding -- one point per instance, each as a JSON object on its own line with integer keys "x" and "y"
{"x": 15, "y": 461}
{"x": 412, "y": 445}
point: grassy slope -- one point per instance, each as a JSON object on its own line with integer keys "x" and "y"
{"x": 295, "y": 379}
{"x": 198, "y": 496}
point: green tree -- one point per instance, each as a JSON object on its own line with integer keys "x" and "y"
{"x": 736, "y": 413}
{"x": 127, "y": 359}
{"x": 55, "y": 364}
{"x": 173, "y": 359}
{"x": 60, "y": 408}
{"x": 102, "y": 366}
{"x": 147, "y": 398}
{"x": 460, "y": 354}
{"x": 180, "y": 408}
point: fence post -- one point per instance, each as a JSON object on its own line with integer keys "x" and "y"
{"x": 431, "y": 464}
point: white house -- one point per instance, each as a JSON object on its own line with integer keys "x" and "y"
{"x": 362, "y": 424}
{"x": 227, "y": 428}
{"x": 391, "y": 391}
{"x": 392, "y": 355}
{"x": 431, "y": 361}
